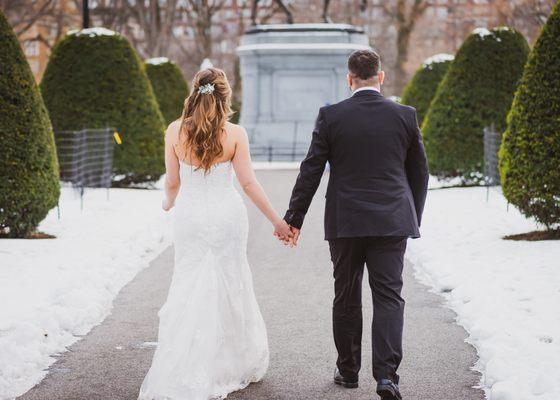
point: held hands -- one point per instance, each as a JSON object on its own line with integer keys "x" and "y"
{"x": 296, "y": 233}
{"x": 286, "y": 234}
{"x": 283, "y": 232}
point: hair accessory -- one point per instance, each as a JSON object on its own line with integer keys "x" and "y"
{"x": 206, "y": 89}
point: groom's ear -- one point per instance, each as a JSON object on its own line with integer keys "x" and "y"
{"x": 381, "y": 77}
{"x": 349, "y": 79}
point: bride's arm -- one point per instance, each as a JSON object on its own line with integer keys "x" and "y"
{"x": 172, "y": 178}
{"x": 246, "y": 176}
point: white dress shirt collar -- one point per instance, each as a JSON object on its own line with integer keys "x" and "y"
{"x": 365, "y": 88}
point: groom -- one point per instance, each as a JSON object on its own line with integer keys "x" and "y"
{"x": 375, "y": 197}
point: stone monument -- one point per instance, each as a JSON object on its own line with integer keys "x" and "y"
{"x": 288, "y": 72}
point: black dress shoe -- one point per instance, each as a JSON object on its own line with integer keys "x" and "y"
{"x": 344, "y": 382}
{"x": 388, "y": 390}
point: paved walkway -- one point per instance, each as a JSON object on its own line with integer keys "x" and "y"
{"x": 294, "y": 288}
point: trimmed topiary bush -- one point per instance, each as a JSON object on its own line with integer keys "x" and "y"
{"x": 236, "y": 108}
{"x": 94, "y": 79}
{"x": 476, "y": 92}
{"x": 29, "y": 185}
{"x": 170, "y": 87}
{"x": 530, "y": 152}
{"x": 421, "y": 89}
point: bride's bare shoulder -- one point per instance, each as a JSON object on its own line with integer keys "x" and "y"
{"x": 172, "y": 132}
{"x": 236, "y": 131}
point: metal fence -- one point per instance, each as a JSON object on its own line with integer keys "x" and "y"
{"x": 86, "y": 157}
{"x": 492, "y": 142}
{"x": 295, "y": 152}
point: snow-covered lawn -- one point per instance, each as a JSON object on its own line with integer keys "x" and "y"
{"x": 54, "y": 289}
{"x": 506, "y": 293}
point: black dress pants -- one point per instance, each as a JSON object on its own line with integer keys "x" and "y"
{"x": 384, "y": 257}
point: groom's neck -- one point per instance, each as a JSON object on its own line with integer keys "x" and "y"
{"x": 372, "y": 85}
{"x": 373, "y": 82}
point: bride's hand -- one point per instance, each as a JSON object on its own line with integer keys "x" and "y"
{"x": 166, "y": 205}
{"x": 283, "y": 232}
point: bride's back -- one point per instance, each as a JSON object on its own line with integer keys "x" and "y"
{"x": 203, "y": 136}
{"x": 186, "y": 154}
{"x": 204, "y": 144}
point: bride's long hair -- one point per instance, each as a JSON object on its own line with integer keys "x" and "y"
{"x": 206, "y": 111}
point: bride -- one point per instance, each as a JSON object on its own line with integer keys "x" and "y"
{"x": 212, "y": 338}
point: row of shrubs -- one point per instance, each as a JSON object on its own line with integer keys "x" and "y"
{"x": 494, "y": 79}
{"x": 93, "y": 79}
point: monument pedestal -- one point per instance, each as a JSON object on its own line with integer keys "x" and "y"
{"x": 288, "y": 72}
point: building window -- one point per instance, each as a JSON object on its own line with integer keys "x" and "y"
{"x": 31, "y": 48}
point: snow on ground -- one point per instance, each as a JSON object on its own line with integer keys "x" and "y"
{"x": 435, "y": 183}
{"x": 506, "y": 293}
{"x": 54, "y": 290}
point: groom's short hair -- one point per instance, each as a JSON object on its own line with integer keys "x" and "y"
{"x": 363, "y": 64}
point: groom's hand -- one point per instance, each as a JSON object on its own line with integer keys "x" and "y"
{"x": 283, "y": 232}
{"x": 295, "y": 232}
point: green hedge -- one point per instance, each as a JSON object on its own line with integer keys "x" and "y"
{"x": 476, "y": 92}
{"x": 29, "y": 185}
{"x": 530, "y": 153}
{"x": 421, "y": 89}
{"x": 169, "y": 86}
{"x": 236, "y": 108}
{"x": 95, "y": 79}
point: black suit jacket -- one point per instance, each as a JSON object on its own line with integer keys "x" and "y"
{"x": 378, "y": 170}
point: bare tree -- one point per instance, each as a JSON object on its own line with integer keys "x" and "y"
{"x": 531, "y": 15}
{"x": 114, "y": 14}
{"x": 148, "y": 24}
{"x": 200, "y": 14}
{"x": 157, "y": 28}
{"x": 23, "y": 15}
{"x": 528, "y": 16}
{"x": 267, "y": 12}
{"x": 403, "y": 15}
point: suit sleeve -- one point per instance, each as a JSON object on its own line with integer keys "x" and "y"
{"x": 417, "y": 168}
{"x": 310, "y": 173}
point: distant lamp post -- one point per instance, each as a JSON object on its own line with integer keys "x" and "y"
{"x": 85, "y": 14}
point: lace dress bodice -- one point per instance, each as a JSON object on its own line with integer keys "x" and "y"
{"x": 219, "y": 177}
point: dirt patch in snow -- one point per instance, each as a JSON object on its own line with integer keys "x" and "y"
{"x": 536, "y": 235}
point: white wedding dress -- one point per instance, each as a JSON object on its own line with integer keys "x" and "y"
{"x": 212, "y": 339}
